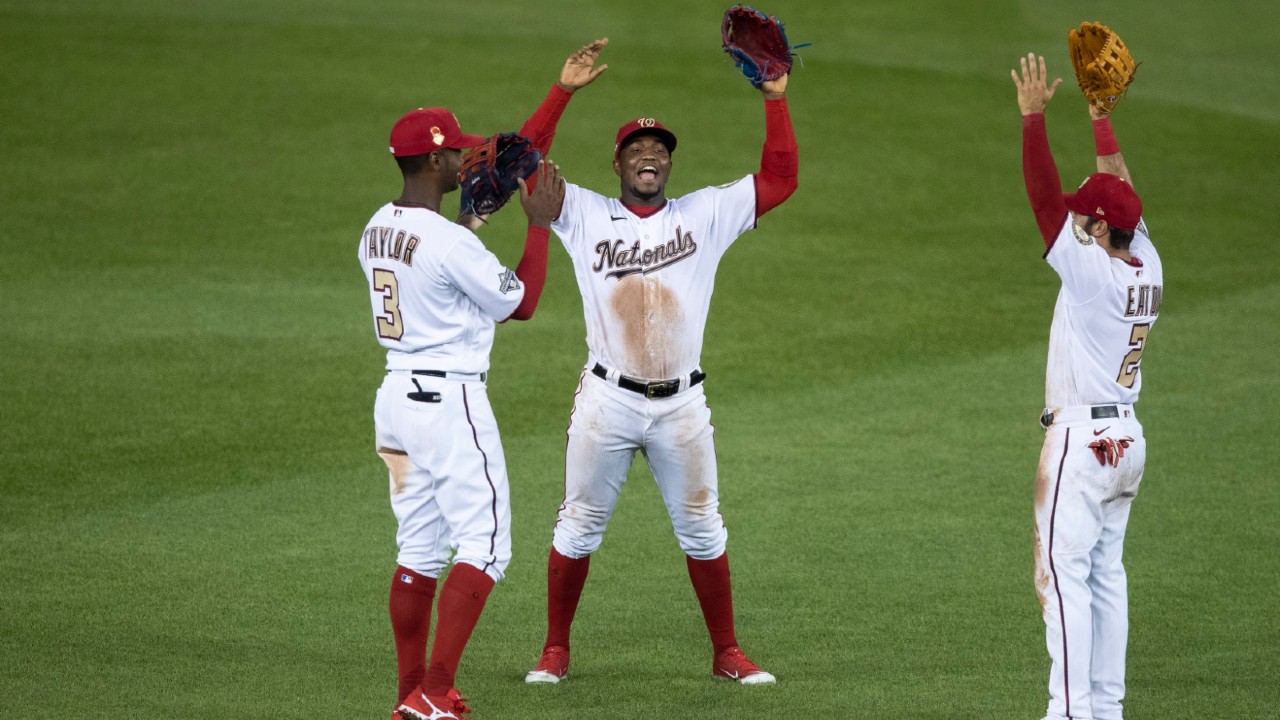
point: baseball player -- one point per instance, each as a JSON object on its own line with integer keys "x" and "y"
{"x": 645, "y": 266}
{"x": 1094, "y": 451}
{"x": 436, "y": 293}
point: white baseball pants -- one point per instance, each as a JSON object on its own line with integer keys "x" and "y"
{"x": 1081, "y": 512}
{"x": 448, "y": 474}
{"x": 608, "y": 425}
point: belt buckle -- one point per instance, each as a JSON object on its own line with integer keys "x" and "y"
{"x": 1098, "y": 412}
{"x": 667, "y": 388}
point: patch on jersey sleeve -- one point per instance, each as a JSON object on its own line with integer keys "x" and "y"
{"x": 507, "y": 281}
{"x": 1142, "y": 229}
{"x": 1081, "y": 235}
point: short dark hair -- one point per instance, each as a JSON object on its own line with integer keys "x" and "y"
{"x": 1120, "y": 239}
{"x": 412, "y": 164}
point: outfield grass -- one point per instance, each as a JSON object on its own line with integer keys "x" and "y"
{"x": 193, "y": 523}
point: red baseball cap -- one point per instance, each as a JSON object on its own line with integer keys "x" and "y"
{"x": 428, "y": 129}
{"x": 1109, "y": 198}
{"x": 644, "y": 126}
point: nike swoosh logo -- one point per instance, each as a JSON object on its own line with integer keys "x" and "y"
{"x": 1096, "y": 433}
{"x": 731, "y": 675}
{"x": 615, "y": 219}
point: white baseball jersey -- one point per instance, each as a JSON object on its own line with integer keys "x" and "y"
{"x": 1100, "y": 323}
{"x": 436, "y": 291}
{"x": 646, "y": 282}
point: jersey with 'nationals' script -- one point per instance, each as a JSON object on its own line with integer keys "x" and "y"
{"x": 1105, "y": 310}
{"x": 646, "y": 282}
{"x": 436, "y": 290}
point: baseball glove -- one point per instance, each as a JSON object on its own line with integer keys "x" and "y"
{"x": 757, "y": 43}
{"x": 1104, "y": 68}
{"x": 489, "y": 173}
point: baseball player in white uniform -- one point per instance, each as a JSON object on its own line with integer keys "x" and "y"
{"x": 645, "y": 266}
{"x": 1094, "y": 451}
{"x": 436, "y": 293}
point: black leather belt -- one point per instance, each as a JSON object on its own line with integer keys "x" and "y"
{"x": 484, "y": 376}
{"x": 657, "y": 389}
{"x": 1097, "y": 412}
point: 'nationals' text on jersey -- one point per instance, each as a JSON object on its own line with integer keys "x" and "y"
{"x": 633, "y": 260}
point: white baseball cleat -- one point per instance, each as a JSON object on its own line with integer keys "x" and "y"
{"x": 732, "y": 664}
{"x": 552, "y": 667}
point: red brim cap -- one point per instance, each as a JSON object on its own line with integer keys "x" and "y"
{"x": 1107, "y": 197}
{"x": 426, "y": 130}
{"x": 644, "y": 126}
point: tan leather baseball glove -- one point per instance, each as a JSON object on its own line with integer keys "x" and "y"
{"x": 1104, "y": 68}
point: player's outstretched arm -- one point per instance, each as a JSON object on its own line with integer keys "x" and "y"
{"x": 779, "y": 173}
{"x": 541, "y": 205}
{"x": 1044, "y": 187}
{"x": 1110, "y": 159}
{"x": 578, "y": 72}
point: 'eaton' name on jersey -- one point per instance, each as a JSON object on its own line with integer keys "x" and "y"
{"x": 634, "y": 260}
{"x": 387, "y": 242}
{"x": 1144, "y": 300}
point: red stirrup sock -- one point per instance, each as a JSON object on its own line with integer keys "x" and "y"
{"x": 715, "y": 595}
{"x": 410, "y": 607}
{"x": 565, "y": 579}
{"x": 462, "y": 600}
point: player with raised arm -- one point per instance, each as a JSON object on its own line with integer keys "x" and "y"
{"x": 1094, "y": 450}
{"x": 645, "y": 266}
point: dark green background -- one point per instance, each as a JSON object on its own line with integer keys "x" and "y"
{"x": 192, "y": 519}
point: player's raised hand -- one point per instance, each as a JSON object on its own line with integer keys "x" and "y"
{"x": 542, "y": 202}
{"x": 1034, "y": 89}
{"x": 580, "y": 70}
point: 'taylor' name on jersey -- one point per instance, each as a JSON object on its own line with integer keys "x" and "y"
{"x": 385, "y": 242}
{"x": 634, "y": 260}
{"x": 1144, "y": 300}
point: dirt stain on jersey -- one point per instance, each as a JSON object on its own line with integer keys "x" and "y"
{"x": 652, "y": 318}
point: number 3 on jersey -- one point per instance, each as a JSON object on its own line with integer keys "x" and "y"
{"x": 1129, "y": 366}
{"x": 390, "y": 325}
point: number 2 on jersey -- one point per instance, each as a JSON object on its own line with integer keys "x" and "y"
{"x": 1129, "y": 366}
{"x": 389, "y": 325}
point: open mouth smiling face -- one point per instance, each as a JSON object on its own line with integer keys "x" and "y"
{"x": 645, "y": 164}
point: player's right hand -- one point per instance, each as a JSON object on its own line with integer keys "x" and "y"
{"x": 542, "y": 202}
{"x": 1034, "y": 90}
{"x": 579, "y": 70}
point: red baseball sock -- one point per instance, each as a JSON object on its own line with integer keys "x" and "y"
{"x": 715, "y": 595}
{"x": 461, "y": 601}
{"x": 410, "y": 606}
{"x": 565, "y": 578}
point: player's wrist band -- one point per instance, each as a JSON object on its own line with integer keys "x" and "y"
{"x": 1104, "y": 137}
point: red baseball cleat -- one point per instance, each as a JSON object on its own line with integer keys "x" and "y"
{"x": 420, "y": 706}
{"x": 552, "y": 667}
{"x": 733, "y": 665}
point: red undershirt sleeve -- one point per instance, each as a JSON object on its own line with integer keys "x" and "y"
{"x": 779, "y": 173}
{"x": 1044, "y": 188}
{"x": 532, "y": 271}
{"x": 540, "y": 128}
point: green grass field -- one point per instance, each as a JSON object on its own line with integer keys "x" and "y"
{"x": 193, "y": 523}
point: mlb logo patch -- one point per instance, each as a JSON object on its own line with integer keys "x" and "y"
{"x": 406, "y": 578}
